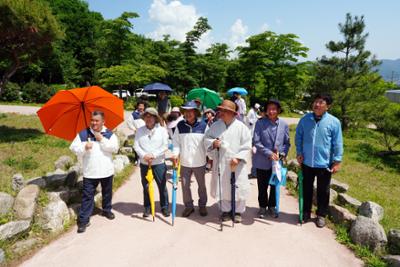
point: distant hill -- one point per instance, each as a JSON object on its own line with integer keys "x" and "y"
{"x": 390, "y": 70}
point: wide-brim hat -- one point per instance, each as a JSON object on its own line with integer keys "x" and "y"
{"x": 191, "y": 105}
{"x": 175, "y": 109}
{"x": 209, "y": 110}
{"x": 227, "y": 105}
{"x": 153, "y": 112}
{"x": 275, "y": 102}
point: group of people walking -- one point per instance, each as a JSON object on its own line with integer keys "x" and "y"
{"x": 223, "y": 139}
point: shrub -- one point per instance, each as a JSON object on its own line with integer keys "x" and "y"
{"x": 176, "y": 100}
{"x": 11, "y": 92}
{"x": 33, "y": 92}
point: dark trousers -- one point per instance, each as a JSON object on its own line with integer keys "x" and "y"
{"x": 263, "y": 177}
{"x": 88, "y": 191}
{"x": 323, "y": 185}
{"x": 159, "y": 172}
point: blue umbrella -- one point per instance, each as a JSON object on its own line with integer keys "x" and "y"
{"x": 174, "y": 189}
{"x": 239, "y": 90}
{"x": 274, "y": 180}
{"x": 157, "y": 87}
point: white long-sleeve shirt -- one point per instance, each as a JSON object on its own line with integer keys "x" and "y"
{"x": 154, "y": 142}
{"x": 97, "y": 162}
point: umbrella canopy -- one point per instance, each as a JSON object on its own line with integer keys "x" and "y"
{"x": 157, "y": 87}
{"x": 278, "y": 179}
{"x": 239, "y": 90}
{"x": 69, "y": 111}
{"x": 150, "y": 189}
{"x": 209, "y": 98}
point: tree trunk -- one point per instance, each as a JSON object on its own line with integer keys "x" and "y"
{"x": 10, "y": 72}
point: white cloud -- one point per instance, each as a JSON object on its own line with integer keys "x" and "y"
{"x": 175, "y": 19}
{"x": 265, "y": 27}
{"x": 238, "y": 34}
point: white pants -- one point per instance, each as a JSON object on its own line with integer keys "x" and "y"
{"x": 240, "y": 206}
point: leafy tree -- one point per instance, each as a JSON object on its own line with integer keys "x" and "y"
{"x": 29, "y": 28}
{"x": 344, "y": 74}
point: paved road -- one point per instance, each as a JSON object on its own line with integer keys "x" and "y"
{"x": 130, "y": 240}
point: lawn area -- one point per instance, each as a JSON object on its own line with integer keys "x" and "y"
{"x": 26, "y": 149}
{"x": 370, "y": 176}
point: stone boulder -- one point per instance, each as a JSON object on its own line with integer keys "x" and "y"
{"x": 371, "y": 210}
{"x": 345, "y": 199}
{"x": 63, "y": 162}
{"x": 24, "y": 245}
{"x": 293, "y": 164}
{"x": 367, "y": 232}
{"x": 292, "y": 176}
{"x": 338, "y": 186}
{"x": 392, "y": 260}
{"x": 333, "y": 195}
{"x": 25, "y": 202}
{"x": 341, "y": 215}
{"x": 6, "y": 203}
{"x": 126, "y": 150}
{"x": 17, "y": 182}
{"x": 13, "y": 228}
{"x": 74, "y": 211}
{"x": 39, "y": 181}
{"x": 60, "y": 178}
{"x": 394, "y": 241}
{"x": 54, "y": 216}
{"x": 62, "y": 194}
{"x": 98, "y": 200}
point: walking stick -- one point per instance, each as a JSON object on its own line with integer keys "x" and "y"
{"x": 233, "y": 193}
{"x": 220, "y": 193}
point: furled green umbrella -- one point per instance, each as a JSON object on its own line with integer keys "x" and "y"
{"x": 301, "y": 199}
{"x": 209, "y": 98}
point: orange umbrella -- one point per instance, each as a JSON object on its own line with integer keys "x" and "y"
{"x": 69, "y": 111}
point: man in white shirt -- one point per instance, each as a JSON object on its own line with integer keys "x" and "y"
{"x": 189, "y": 147}
{"x": 151, "y": 143}
{"x": 241, "y": 106}
{"x": 95, "y": 145}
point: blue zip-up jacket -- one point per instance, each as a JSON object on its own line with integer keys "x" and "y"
{"x": 320, "y": 143}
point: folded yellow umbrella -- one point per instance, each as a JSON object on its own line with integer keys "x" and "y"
{"x": 150, "y": 188}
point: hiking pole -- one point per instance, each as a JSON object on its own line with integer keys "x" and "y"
{"x": 220, "y": 192}
{"x": 233, "y": 193}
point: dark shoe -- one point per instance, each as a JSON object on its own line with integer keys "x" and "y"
{"x": 237, "y": 218}
{"x": 203, "y": 211}
{"x": 262, "y": 213}
{"x": 226, "y": 216}
{"x": 146, "y": 212}
{"x": 320, "y": 222}
{"x": 109, "y": 215}
{"x": 306, "y": 217}
{"x": 272, "y": 212}
{"x": 82, "y": 227}
{"x": 165, "y": 212}
{"x": 187, "y": 211}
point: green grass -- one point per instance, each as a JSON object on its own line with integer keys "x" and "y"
{"x": 20, "y": 103}
{"x": 24, "y": 148}
{"x": 370, "y": 176}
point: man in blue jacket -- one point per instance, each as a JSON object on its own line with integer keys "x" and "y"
{"x": 319, "y": 147}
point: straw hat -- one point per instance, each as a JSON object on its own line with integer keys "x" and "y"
{"x": 228, "y": 105}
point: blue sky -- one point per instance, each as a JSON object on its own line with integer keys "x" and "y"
{"x": 314, "y": 21}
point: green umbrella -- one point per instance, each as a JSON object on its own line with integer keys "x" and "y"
{"x": 209, "y": 98}
{"x": 301, "y": 199}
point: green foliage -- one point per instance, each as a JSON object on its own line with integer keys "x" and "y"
{"x": 176, "y": 100}
{"x": 36, "y": 92}
{"x": 11, "y": 92}
{"x": 30, "y": 28}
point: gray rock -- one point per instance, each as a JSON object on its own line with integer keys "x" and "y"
{"x": 367, "y": 232}
{"x": 124, "y": 159}
{"x": 293, "y": 164}
{"x": 98, "y": 200}
{"x": 24, "y": 245}
{"x": 18, "y": 182}
{"x": 341, "y": 215}
{"x": 118, "y": 165}
{"x": 13, "y": 228}
{"x": 126, "y": 150}
{"x": 39, "y": 181}
{"x": 56, "y": 195}
{"x": 392, "y": 260}
{"x": 345, "y": 199}
{"x": 339, "y": 186}
{"x": 394, "y": 241}
{"x": 2, "y": 256}
{"x": 63, "y": 162}
{"x": 292, "y": 176}
{"x": 371, "y": 210}
{"x": 72, "y": 179}
{"x": 75, "y": 196}
{"x": 74, "y": 211}
{"x": 77, "y": 168}
{"x": 25, "y": 202}
{"x": 54, "y": 216}
{"x": 6, "y": 203}
{"x": 333, "y": 195}
{"x": 60, "y": 178}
